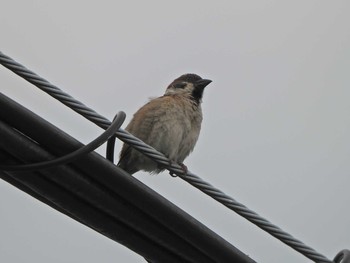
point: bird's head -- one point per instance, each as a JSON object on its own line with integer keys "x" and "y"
{"x": 189, "y": 85}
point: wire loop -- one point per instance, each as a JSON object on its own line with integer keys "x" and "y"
{"x": 115, "y": 125}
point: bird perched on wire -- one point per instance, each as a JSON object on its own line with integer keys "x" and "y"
{"x": 170, "y": 124}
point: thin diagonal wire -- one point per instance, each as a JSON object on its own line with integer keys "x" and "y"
{"x": 191, "y": 178}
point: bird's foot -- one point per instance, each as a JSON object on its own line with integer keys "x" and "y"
{"x": 183, "y": 167}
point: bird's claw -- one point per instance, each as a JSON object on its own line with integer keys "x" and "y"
{"x": 183, "y": 167}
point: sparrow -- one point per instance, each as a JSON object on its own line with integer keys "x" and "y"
{"x": 170, "y": 124}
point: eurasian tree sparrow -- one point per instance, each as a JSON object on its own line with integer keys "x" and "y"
{"x": 170, "y": 124}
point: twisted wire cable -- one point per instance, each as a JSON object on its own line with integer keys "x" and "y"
{"x": 149, "y": 151}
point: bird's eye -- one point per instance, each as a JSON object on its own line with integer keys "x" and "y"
{"x": 180, "y": 85}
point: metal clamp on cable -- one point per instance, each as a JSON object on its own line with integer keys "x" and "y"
{"x": 343, "y": 256}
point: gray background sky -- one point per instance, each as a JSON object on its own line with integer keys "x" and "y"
{"x": 275, "y": 134}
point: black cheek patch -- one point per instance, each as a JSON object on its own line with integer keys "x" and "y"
{"x": 197, "y": 94}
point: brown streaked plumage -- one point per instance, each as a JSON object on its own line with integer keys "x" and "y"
{"x": 170, "y": 124}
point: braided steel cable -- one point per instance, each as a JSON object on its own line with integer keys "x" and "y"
{"x": 191, "y": 178}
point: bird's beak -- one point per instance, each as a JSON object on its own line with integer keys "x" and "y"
{"x": 202, "y": 83}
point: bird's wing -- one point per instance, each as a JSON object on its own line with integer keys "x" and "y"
{"x": 142, "y": 127}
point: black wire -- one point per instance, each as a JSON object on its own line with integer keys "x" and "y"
{"x": 110, "y": 147}
{"x": 115, "y": 125}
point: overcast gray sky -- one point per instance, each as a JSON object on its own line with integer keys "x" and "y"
{"x": 275, "y": 134}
